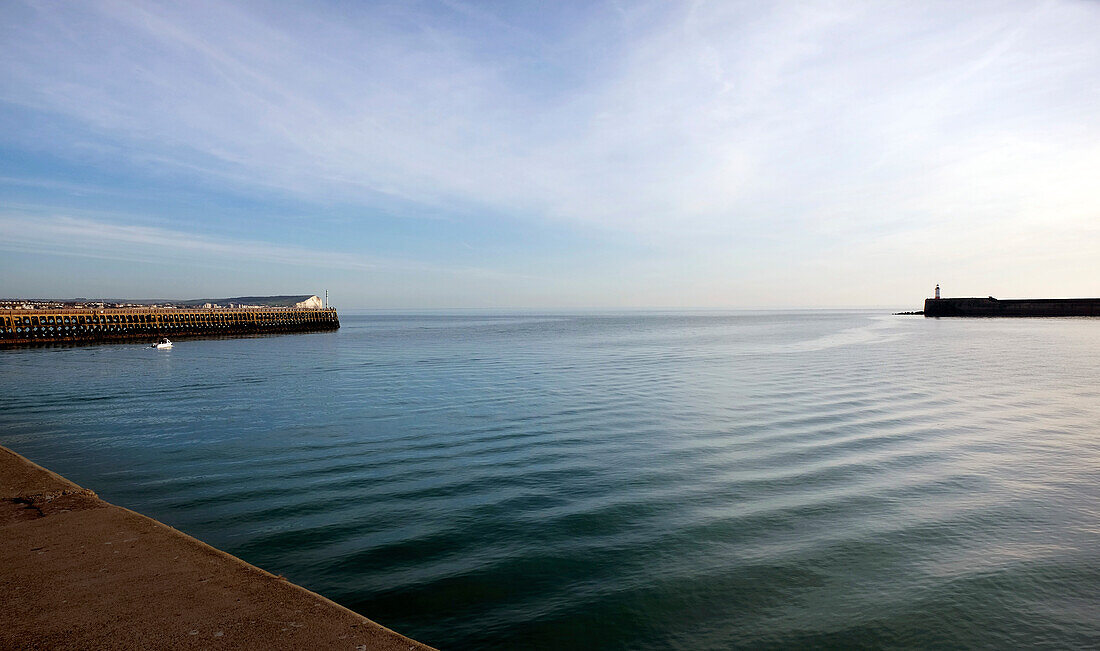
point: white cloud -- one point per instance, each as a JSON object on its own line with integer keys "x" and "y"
{"x": 65, "y": 235}
{"x": 704, "y": 126}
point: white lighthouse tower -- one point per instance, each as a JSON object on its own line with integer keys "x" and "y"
{"x": 937, "y": 290}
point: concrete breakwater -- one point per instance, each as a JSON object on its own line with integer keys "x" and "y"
{"x": 77, "y": 572}
{"x": 86, "y": 325}
{"x": 1027, "y": 307}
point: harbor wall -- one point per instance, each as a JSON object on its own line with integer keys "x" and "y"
{"x": 77, "y": 572}
{"x": 1028, "y": 307}
{"x": 26, "y": 327}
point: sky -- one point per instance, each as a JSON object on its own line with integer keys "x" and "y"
{"x": 457, "y": 154}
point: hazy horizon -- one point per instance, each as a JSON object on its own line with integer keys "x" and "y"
{"x": 453, "y": 155}
{"x": 517, "y": 309}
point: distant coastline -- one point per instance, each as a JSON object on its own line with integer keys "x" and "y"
{"x": 301, "y": 301}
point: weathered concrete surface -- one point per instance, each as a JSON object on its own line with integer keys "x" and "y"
{"x": 934, "y": 307}
{"x": 79, "y": 573}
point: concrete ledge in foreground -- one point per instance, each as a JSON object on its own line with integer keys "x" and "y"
{"x": 79, "y": 573}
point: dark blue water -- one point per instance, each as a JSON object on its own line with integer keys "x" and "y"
{"x": 690, "y": 481}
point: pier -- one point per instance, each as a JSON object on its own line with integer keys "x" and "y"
{"x": 1026, "y": 307}
{"x": 77, "y": 572}
{"x": 20, "y": 327}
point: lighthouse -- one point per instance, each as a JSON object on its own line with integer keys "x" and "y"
{"x": 937, "y": 290}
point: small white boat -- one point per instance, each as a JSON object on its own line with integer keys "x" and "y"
{"x": 163, "y": 344}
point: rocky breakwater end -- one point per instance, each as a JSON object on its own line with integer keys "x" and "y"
{"x": 79, "y": 573}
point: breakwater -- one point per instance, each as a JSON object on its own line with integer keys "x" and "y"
{"x": 1027, "y": 307}
{"x": 78, "y": 572}
{"x": 86, "y": 325}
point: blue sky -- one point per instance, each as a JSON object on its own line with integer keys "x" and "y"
{"x": 551, "y": 154}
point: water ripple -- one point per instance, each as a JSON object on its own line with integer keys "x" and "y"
{"x": 663, "y": 480}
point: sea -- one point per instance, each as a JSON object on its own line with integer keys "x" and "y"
{"x": 617, "y": 480}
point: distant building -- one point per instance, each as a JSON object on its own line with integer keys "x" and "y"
{"x": 300, "y": 302}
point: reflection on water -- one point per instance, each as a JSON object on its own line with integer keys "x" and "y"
{"x": 618, "y": 480}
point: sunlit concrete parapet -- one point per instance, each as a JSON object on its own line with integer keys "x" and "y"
{"x": 19, "y": 327}
{"x": 77, "y": 572}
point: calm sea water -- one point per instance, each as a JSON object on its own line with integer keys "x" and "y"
{"x": 704, "y": 480}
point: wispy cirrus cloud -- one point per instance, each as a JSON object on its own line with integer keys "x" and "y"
{"x": 709, "y": 112}
{"x": 710, "y": 130}
{"x": 64, "y": 235}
